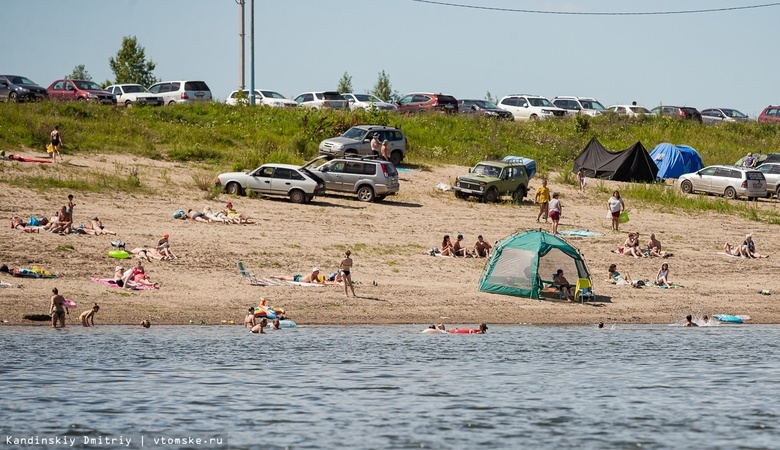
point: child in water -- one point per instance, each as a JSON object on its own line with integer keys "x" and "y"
{"x": 88, "y": 317}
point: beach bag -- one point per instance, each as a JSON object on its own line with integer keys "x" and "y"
{"x": 179, "y": 214}
{"x": 623, "y": 217}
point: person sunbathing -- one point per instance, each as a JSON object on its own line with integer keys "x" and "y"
{"x": 310, "y": 278}
{"x": 213, "y": 217}
{"x": 446, "y": 246}
{"x": 631, "y": 246}
{"x": 18, "y": 224}
{"x": 734, "y": 250}
{"x": 146, "y": 253}
{"x": 749, "y": 248}
{"x": 654, "y": 245}
{"x": 96, "y": 227}
{"x": 196, "y": 216}
{"x": 237, "y": 218}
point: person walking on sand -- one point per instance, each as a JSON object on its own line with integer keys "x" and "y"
{"x": 56, "y": 141}
{"x": 555, "y": 212}
{"x": 543, "y": 199}
{"x": 57, "y": 309}
{"x": 88, "y": 317}
{"x": 615, "y": 205}
{"x": 346, "y": 270}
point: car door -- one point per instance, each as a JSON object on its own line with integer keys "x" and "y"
{"x": 523, "y": 111}
{"x": 353, "y": 172}
{"x": 260, "y": 180}
{"x": 702, "y": 181}
{"x": 723, "y": 178}
{"x": 281, "y": 182}
{"x": 5, "y": 87}
{"x": 772, "y": 174}
{"x": 69, "y": 93}
{"x": 332, "y": 174}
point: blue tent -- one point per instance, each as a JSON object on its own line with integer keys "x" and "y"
{"x": 675, "y": 160}
{"x": 530, "y": 164}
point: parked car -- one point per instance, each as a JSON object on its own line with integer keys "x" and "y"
{"x": 770, "y": 114}
{"x": 262, "y": 97}
{"x": 530, "y": 107}
{"x": 679, "y": 112}
{"x": 79, "y": 90}
{"x": 322, "y": 99}
{"x": 134, "y": 94}
{"x": 490, "y": 179}
{"x": 367, "y": 102}
{"x": 730, "y": 181}
{"x": 183, "y": 91}
{"x": 423, "y": 101}
{"x": 14, "y": 88}
{"x": 629, "y": 110}
{"x": 771, "y": 172}
{"x": 357, "y": 141}
{"x": 483, "y": 108}
{"x": 579, "y": 105}
{"x": 297, "y": 182}
{"x": 720, "y": 115}
{"x": 369, "y": 178}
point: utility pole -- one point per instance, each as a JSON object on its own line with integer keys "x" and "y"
{"x": 241, "y": 35}
{"x": 252, "y": 54}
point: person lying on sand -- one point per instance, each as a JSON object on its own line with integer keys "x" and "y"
{"x": 146, "y": 253}
{"x": 196, "y": 216}
{"x": 96, "y": 227}
{"x": 310, "y": 278}
{"x": 19, "y": 224}
{"x": 215, "y": 218}
{"x": 238, "y": 218}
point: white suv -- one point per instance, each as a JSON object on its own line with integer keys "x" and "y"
{"x": 530, "y": 107}
{"x": 174, "y": 92}
{"x": 322, "y": 99}
{"x": 262, "y": 97}
{"x": 579, "y": 105}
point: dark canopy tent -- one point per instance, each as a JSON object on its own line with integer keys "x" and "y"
{"x": 632, "y": 164}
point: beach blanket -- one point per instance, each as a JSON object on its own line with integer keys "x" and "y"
{"x": 671, "y": 286}
{"x": 579, "y": 233}
{"x": 277, "y": 282}
{"x": 112, "y": 284}
{"x": 35, "y": 272}
{"x": 23, "y": 159}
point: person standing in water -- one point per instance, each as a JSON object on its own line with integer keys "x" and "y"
{"x": 689, "y": 321}
{"x": 88, "y": 317}
{"x": 346, "y": 270}
{"x": 57, "y": 309}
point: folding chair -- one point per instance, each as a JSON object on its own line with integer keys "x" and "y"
{"x": 583, "y": 291}
{"x": 245, "y": 274}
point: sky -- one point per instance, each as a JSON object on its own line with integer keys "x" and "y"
{"x": 719, "y": 59}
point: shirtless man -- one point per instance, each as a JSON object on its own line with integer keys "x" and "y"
{"x": 88, "y": 317}
{"x": 57, "y": 309}
{"x": 62, "y": 225}
{"x": 482, "y": 248}
{"x": 310, "y": 278}
{"x": 457, "y": 249}
{"x": 689, "y": 321}
{"x": 346, "y": 269}
{"x": 97, "y": 227}
{"x": 655, "y": 246}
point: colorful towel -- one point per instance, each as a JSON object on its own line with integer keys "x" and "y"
{"x": 579, "y": 233}
{"x": 277, "y": 282}
{"x": 35, "y": 272}
{"x": 112, "y": 284}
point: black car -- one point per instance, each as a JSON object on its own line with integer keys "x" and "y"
{"x": 483, "y": 108}
{"x": 14, "y": 88}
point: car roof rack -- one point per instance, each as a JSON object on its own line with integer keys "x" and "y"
{"x": 363, "y": 157}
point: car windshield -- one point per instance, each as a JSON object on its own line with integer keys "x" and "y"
{"x": 640, "y": 110}
{"x": 133, "y": 88}
{"x": 354, "y": 133}
{"x": 539, "y": 102}
{"x": 366, "y": 98}
{"x": 734, "y": 113}
{"x": 592, "y": 104}
{"x": 273, "y": 94}
{"x": 488, "y": 171}
{"x": 88, "y": 86}
{"x": 21, "y": 80}
{"x": 484, "y": 104}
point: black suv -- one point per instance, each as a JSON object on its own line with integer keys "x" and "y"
{"x": 14, "y": 88}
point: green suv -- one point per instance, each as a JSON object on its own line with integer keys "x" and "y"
{"x": 491, "y": 179}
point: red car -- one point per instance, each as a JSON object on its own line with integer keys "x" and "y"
{"x": 79, "y": 91}
{"x": 771, "y": 114}
{"x": 421, "y": 101}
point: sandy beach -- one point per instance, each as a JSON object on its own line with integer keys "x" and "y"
{"x": 397, "y": 281}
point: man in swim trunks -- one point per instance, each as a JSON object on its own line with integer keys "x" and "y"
{"x": 310, "y": 278}
{"x": 482, "y": 248}
{"x": 57, "y": 309}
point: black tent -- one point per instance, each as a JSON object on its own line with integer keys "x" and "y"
{"x": 632, "y": 164}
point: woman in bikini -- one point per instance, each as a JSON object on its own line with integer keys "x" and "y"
{"x": 631, "y": 246}
{"x": 662, "y": 278}
{"x": 97, "y": 227}
{"x": 346, "y": 270}
{"x": 446, "y": 246}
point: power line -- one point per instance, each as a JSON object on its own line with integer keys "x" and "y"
{"x": 574, "y": 13}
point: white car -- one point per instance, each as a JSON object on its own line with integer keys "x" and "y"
{"x": 262, "y": 97}
{"x": 296, "y": 182}
{"x": 134, "y": 94}
{"x": 367, "y": 102}
{"x": 579, "y": 105}
{"x": 183, "y": 91}
{"x": 629, "y": 110}
{"x": 322, "y": 99}
{"x": 530, "y": 107}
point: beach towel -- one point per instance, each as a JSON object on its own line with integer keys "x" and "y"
{"x": 277, "y": 282}
{"x": 579, "y": 233}
{"x": 112, "y": 284}
{"x": 23, "y": 159}
{"x": 35, "y": 272}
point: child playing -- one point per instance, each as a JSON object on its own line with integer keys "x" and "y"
{"x": 88, "y": 317}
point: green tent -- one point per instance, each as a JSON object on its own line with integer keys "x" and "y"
{"x": 521, "y": 264}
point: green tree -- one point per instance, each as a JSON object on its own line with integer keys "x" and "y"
{"x": 489, "y": 97}
{"x": 79, "y": 73}
{"x": 130, "y": 64}
{"x": 345, "y": 84}
{"x": 383, "y": 89}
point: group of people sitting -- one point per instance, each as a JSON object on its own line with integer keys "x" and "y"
{"x": 632, "y": 247}
{"x": 481, "y": 249}
{"x": 133, "y": 277}
{"x": 746, "y": 250}
{"x": 661, "y": 278}
{"x": 227, "y": 216}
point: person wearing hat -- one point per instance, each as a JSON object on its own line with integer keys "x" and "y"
{"x": 458, "y": 249}
{"x": 749, "y": 161}
{"x": 313, "y": 277}
{"x": 376, "y": 145}
{"x": 164, "y": 247}
{"x": 234, "y": 215}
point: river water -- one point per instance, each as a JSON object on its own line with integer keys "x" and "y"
{"x": 390, "y": 387}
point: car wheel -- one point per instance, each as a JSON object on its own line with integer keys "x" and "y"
{"x": 297, "y": 196}
{"x": 520, "y": 194}
{"x": 534, "y": 117}
{"x": 128, "y": 104}
{"x": 686, "y": 186}
{"x": 730, "y": 193}
{"x": 459, "y": 194}
{"x": 365, "y": 194}
{"x": 13, "y": 97}
{"x": 491, "y": 195}
{"x": 777, "y": 193}
{"x": 171, "y": 103}
{"x": 396, "y": 157}
{"x": 81, "y": 99}
{"x": 233, "y": 188}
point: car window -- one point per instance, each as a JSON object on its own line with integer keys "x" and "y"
{"x": 331, "y": 96}
{"x": 174, "y": 87}
{"x": 337, "y": 167}
{"x": 447, "y": 100}
{"x": 308, "y": 97}
{"x": 511, "y": 101}
{"x": 155, "y": 89}
{"x": 196, "y": 86}
{"x": 68, "y": 86}
{"x": 723, "y": 172}
{"x": 775, "y": 169}
{"x": 369, "y": 169}
{"x": 390, "y": 169}
{"x": 273, "y": 94}
{"x": 394, "y": 136}
{"x": 355, "y": 133}
{"x": 353, "y": 167}
{"x": 266, "y": 172}
{"x": 282, "y": 173}
{"x": 708, "y": 171}
{"x": 319, "y": 96}
{"x": 405, "y": 100}
{"x": 419, "y": 99}
{"x": 295, "y": 175}
{"x": 754, "y": 175}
